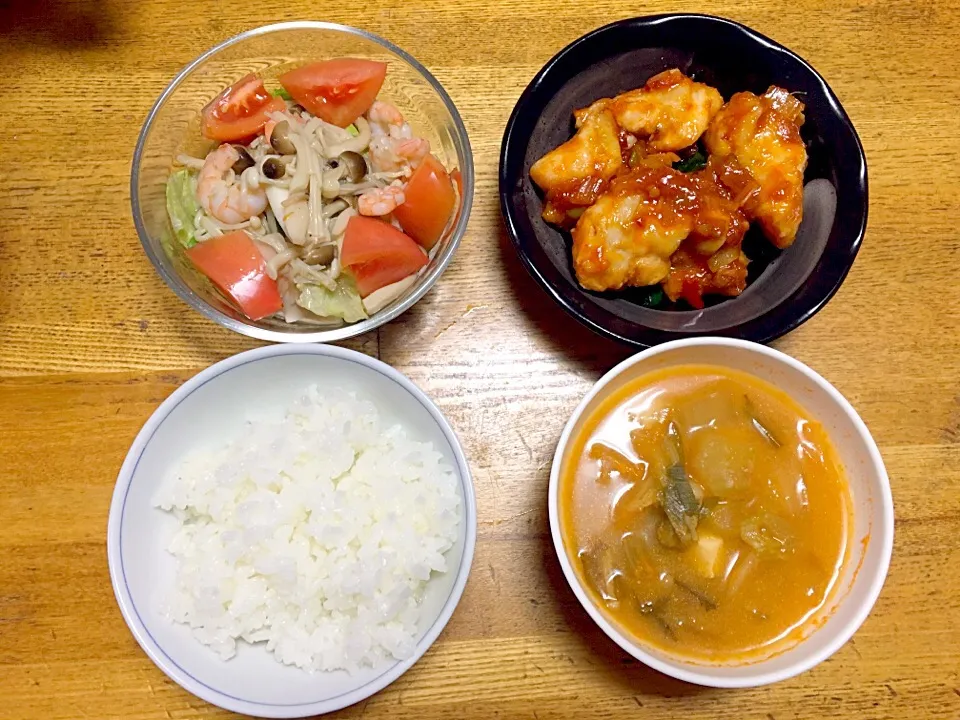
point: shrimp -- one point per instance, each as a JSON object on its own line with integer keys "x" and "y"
{"x": 380, "y": 201}
{"x": 383, "y": 113}
{"x": 226, "y": 197}
{"x": 393, "y": 146}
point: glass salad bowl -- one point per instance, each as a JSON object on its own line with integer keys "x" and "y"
{"x": 173, "y": 127}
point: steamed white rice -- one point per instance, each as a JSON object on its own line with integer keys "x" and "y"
{"x": 314, "y": 533}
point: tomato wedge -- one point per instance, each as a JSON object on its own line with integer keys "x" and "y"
{"x": 429, "y": 201}
{"x": 240, "y": 111}
{"x": 339, "y": 91}
{"x": 234, "y": 264}
{"x": 377, "y": 254}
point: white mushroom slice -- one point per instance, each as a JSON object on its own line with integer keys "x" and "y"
{"x": 293, "y": 219}
{"x": 379, "y": 299}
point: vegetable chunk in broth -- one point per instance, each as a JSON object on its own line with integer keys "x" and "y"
{"x": 705, "y": 513}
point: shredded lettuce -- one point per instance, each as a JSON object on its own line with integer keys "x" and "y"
{"x": 182, "y": 205}
{"x": 352, "y": 129}
{"x": 281, "y": 93}
{"x": 344, "y": 302}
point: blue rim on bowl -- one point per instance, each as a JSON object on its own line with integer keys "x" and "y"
{"x": 118, "y": 576}
{"x": 238, "y": 324}
{"x": 732, "y": 57}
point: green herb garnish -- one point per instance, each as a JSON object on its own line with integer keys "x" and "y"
{"x": 680, "y": 505}
{"x": 677, "y": 499}
{"x": 697, "y": 161}
{"x": 282, "y": 93}
{"x": 652, "y": 299}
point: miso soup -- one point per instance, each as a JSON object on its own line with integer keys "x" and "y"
{"x": 705, "y": 512}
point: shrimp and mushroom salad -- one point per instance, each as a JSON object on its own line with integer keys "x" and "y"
{"x": 319, "y": 204}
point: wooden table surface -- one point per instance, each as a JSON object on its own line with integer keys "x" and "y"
{"x": 91, "y": 341}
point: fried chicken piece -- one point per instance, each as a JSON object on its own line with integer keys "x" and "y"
{"x": 574, "y": 174}
{"x": 710, "y": 261}
{"x": 671, "y": 110}
{"x": 627, "y": 236}
{"x": 631, "y": 234}
{"x": 723, "y": 188}
{"x": 597, "y": 106}
{"x": 763, "y": 134}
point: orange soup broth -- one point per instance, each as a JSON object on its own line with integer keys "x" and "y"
{"x": 750, "y": 452}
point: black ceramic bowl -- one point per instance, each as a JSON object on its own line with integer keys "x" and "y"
{"x": 784, "y": 288}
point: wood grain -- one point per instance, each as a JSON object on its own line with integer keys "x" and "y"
{"x": 91, "y": 341}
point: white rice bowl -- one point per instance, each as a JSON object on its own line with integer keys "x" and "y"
{"x": 314, "y": 533}
{"x": 211, "y": 411}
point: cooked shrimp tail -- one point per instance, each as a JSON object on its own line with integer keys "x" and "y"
{"x": 228, "y": 198}
{"x": 380, "y": 201}
{"x": 393, "y": 146}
